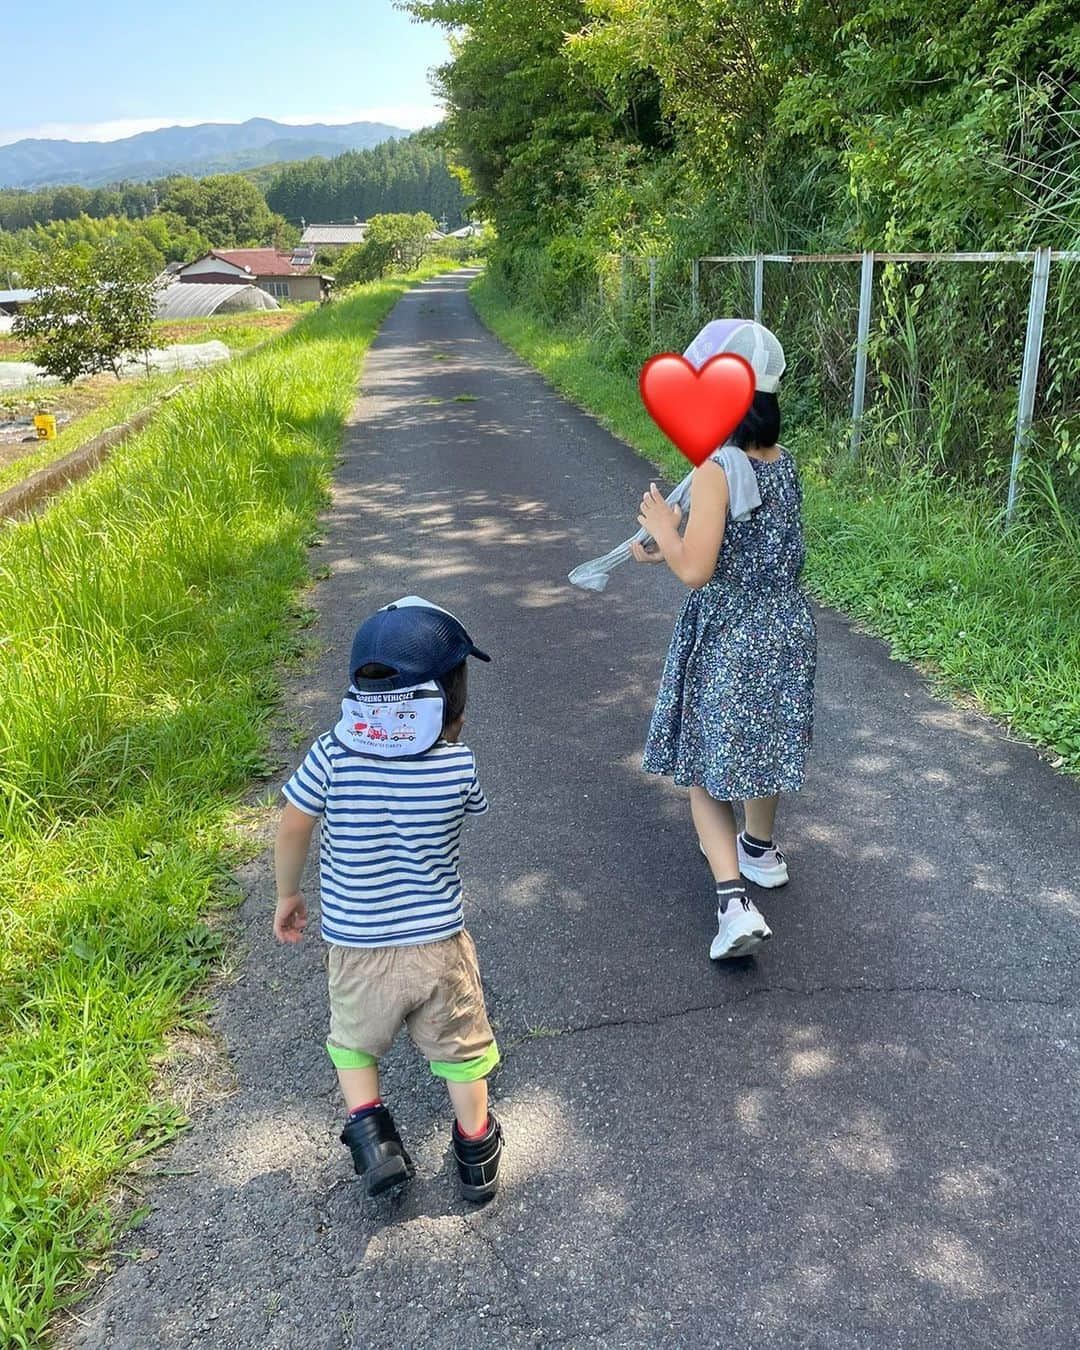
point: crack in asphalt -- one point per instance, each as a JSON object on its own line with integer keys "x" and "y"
{"x": 798, "y": 991}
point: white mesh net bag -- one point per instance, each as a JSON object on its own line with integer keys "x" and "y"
{"x": 744, "y": 338}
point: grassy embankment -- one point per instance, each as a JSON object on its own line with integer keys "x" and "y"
{"x": 102, "y": 401}
{"x": 988, "y": 614}
{"x": 144, "y": 616}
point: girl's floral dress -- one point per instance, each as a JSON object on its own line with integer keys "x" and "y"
{"x": 735, "y": 710}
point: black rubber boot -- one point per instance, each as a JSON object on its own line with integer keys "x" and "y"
{"x": 378, "y": 1154}
{"x": 478, "y": 1161}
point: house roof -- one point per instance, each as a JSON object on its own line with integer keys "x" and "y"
{"x": 335, "y": 234}
{"x": 261, "y": 262}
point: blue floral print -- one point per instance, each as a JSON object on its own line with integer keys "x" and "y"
{"x": 735, "y": 710}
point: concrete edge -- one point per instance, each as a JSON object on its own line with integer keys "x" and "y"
{"x": 32, "y": 492}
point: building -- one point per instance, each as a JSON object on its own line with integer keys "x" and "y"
{"x": 12, "y": 301}
{"x": 285, "y": 276}
{"x": 195, "y": 301}
{"x": 333, "y": 236}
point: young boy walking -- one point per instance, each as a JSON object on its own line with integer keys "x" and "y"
{"x": 391, "y": 785}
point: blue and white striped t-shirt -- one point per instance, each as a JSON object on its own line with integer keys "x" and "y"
{"x": 389, "y": 840}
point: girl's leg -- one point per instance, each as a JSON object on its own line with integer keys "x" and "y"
{"x": 470, "y": 1103}
{"x": 715, "y": 825}
{"x": 359, "y": 1087}
{"x": 761, "y": 817}
{"x": 741, "y": 927}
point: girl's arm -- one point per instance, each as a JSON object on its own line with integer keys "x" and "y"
{"x": 691, "y": 556}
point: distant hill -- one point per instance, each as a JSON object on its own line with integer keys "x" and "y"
{"x": 211, "y": 147}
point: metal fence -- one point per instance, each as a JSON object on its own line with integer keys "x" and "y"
{"x": 1039, "y": 260}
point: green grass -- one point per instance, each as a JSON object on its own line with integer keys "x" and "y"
{"x": 986, "y": 613}
{"x": 144, "y": 617}
{"x": 127, "y": 398}
{"x": 239, "y": 332}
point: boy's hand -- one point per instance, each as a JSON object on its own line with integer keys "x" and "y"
{"x": 641, "y": 554}
{"x": 290, "y": 918}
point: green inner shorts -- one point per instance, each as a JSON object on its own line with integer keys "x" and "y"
{"x": 465, "y": 1071}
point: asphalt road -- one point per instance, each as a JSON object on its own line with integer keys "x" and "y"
{"x": 868, "y": 1137}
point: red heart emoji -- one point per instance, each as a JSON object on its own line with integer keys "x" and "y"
{"x": 697, "y": 409}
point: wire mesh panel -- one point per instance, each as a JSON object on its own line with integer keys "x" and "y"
{"x": 725, "y": 291}
{"x": 814, "y": 310}
{"x": 944, "y": 358}
{"x": 944, "y": 350}
{"x": 1055, "y": 438}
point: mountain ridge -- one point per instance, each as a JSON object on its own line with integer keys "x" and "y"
{"x": 208, "y": 147}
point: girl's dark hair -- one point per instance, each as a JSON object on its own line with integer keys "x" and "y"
{"x": 454, "y": 685}
{"x": 761, "y": 425}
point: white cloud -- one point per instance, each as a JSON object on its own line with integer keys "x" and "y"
{"x": 412, "y": 116}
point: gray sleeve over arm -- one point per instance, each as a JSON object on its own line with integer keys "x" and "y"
{"x": 744, "y": 498}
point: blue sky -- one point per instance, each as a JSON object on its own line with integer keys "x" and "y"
{"x": 111, "y": 68}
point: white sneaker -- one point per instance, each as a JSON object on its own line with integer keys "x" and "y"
{"x": 768, "y": 870}
{"x": 742, "y": 930}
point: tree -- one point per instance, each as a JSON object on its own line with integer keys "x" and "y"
{"x": 406, "y": 239}
{"x": 92, "y": 311}
{"x": 393, "y": 241}
{"x": 228, "y": 208}
{"x": 405, "y": 175}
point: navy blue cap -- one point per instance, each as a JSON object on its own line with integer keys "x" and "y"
{"x": 417, "y": 640}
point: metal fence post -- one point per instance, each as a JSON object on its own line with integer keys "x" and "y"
{"x": 652, "y": 301}
{"x": 759, "y": 285}
{"x": 866, "y": 291}
{"x": 695, "y": 286}
{"x": 1029, "y": 371}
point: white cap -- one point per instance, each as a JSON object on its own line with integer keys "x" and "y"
{"x": 741, "y": 337}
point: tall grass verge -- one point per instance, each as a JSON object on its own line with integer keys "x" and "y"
{"x": 143, "y": 618}
{"x": 995, "y": 615}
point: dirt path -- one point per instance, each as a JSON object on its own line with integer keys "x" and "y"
{"x": 867, "y": 1138}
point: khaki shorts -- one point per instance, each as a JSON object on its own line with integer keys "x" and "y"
{"x": 432, "y": 988}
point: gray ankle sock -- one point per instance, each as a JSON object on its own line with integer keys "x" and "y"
{"x": 726, "y": 891}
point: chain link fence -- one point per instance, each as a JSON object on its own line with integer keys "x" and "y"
{"x": 966, "y": 362}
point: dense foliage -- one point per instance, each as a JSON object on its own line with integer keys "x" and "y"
{"x": 400, "y": 177}
{"x": 227, "y": 208}
{"x": 150, "y": 243}
{"x": 19, "y": 209}
{"x": 190, "y": 216}
{"x": 394, "y": 242}
{"x": 678, "y": 128}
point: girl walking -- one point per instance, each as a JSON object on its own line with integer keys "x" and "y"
{"x": 734, "y": 715}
